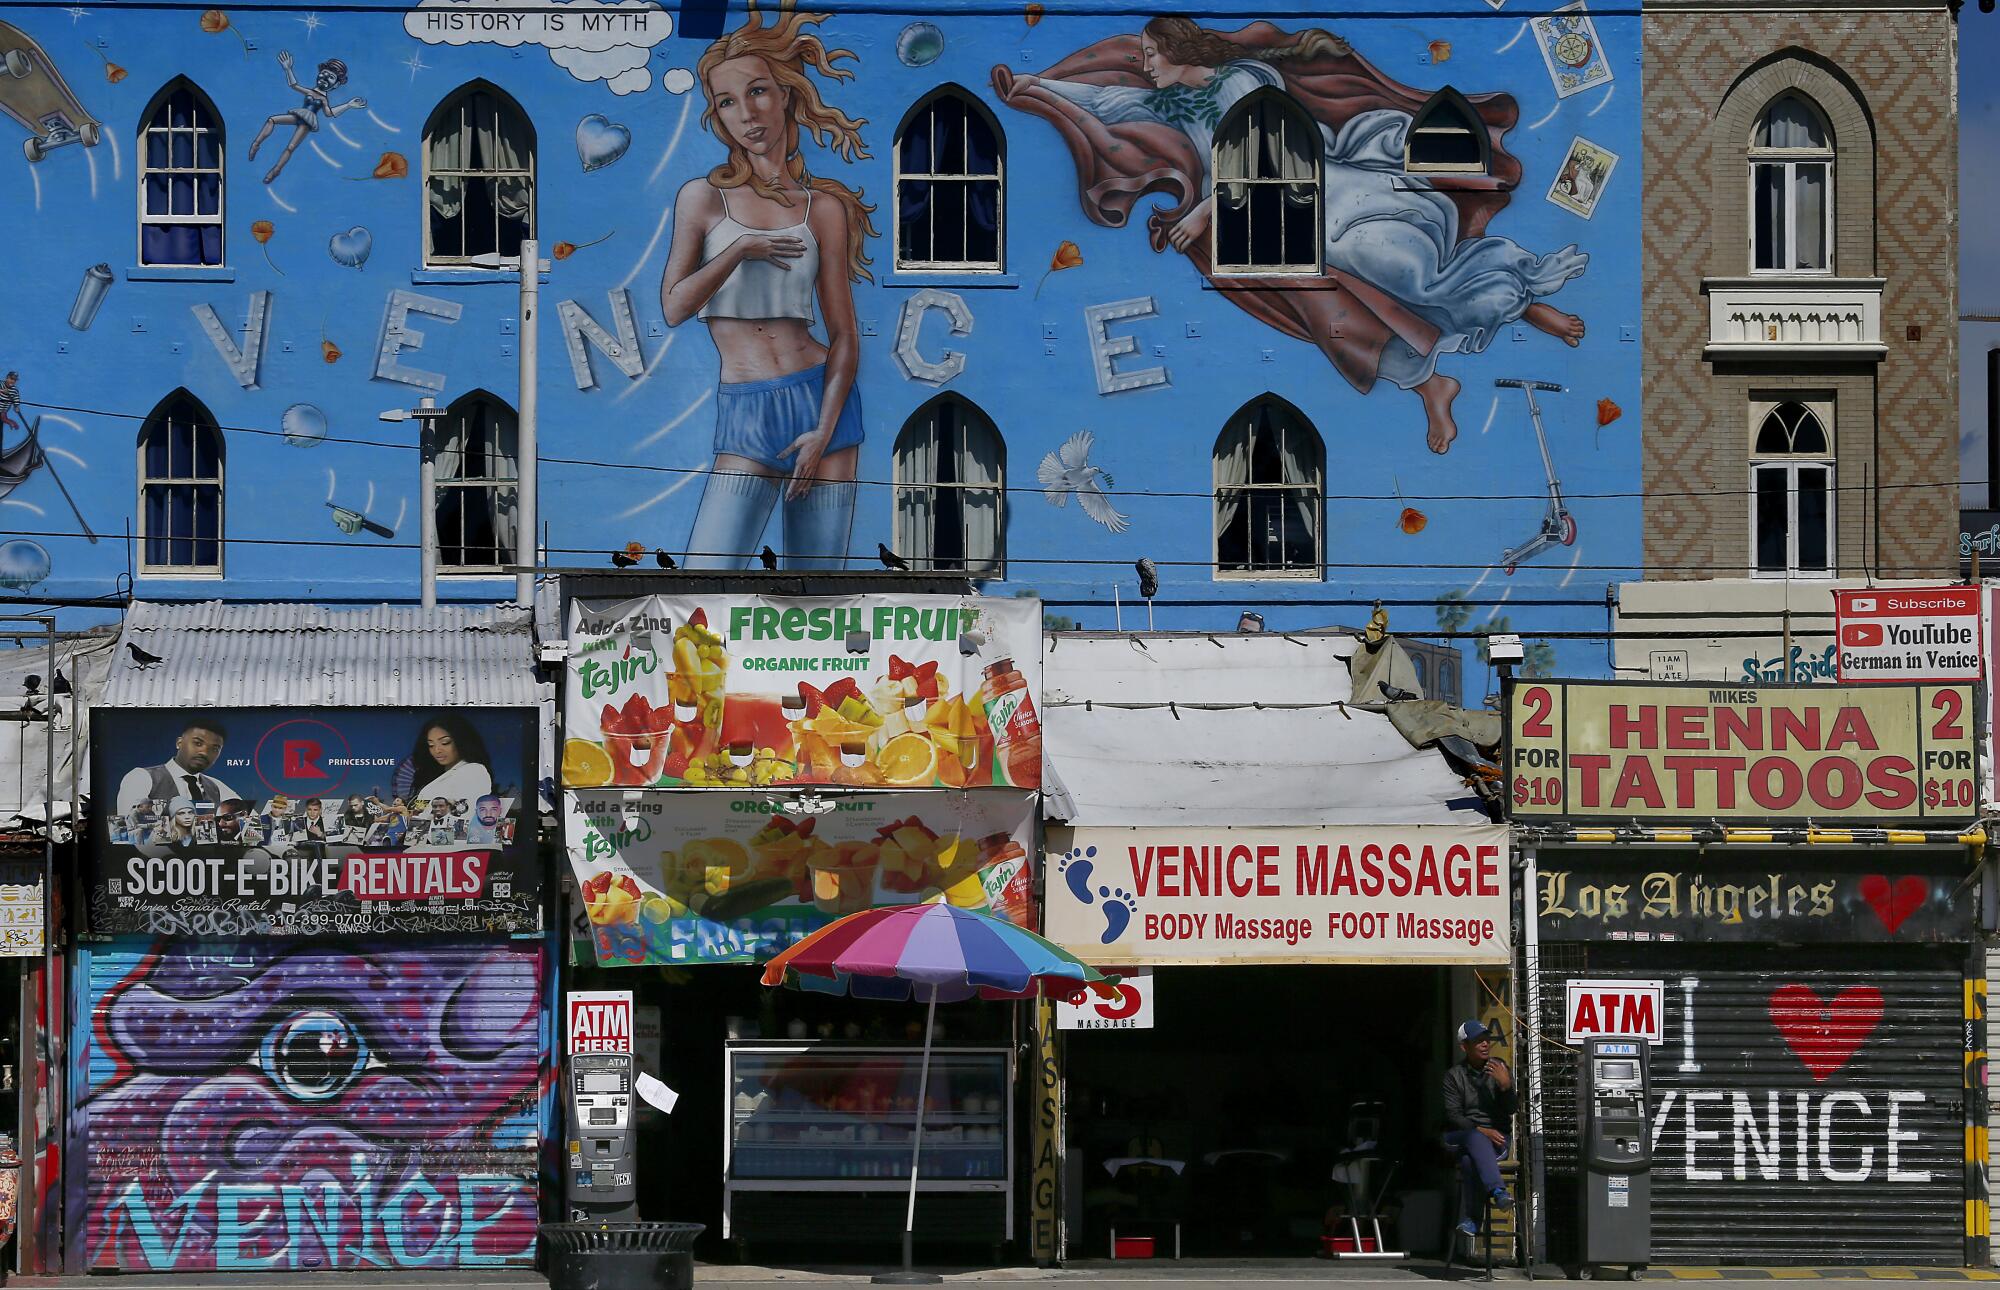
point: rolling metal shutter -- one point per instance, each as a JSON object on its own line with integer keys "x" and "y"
{"x": 310, "y": 1105}
{"x": 1824, "y": 1089}
{"x": 1993, "y": 1103}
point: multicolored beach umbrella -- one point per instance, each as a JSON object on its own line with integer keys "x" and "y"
{"x": 932, "y": 953}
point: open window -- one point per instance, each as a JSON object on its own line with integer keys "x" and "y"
{"x": 1270, "y": 492}
{"x": 951, "y": 489}
{"x": 479, "y": 177}
{"x": 1446, "y": 138}
{"x": 478, "y": 477}
{"x": 1266, "y": 170}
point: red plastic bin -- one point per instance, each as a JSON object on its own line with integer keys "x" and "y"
{"x": 1332, "y": 1245}
{"x": 1132, "y": 1247}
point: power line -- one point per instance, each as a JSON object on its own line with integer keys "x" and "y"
{"x": 1034, "y": 490}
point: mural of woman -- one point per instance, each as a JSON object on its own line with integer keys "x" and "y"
{"x": 757, "y": 241}
{"x": 1419, "y": 275}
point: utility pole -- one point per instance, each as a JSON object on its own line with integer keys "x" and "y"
{"x": 528, "y": 471}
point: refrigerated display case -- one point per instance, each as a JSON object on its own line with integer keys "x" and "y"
{"x": 836, "y": 1120}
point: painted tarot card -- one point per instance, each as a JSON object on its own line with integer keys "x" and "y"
{"x": 1580, "y": 180}
{"x": 1569, "y": 44}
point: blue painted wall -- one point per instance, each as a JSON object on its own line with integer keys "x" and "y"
{"x": 1028, "y": 359}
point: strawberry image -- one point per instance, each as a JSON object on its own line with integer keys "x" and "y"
{"x": 923, "y": 677}
{"x": 637, "y": 738}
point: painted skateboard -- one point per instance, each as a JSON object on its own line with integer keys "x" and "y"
{"x": 34, "y": 93}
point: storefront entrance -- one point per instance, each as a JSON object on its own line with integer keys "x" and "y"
{"x": 1245, "y": 1089}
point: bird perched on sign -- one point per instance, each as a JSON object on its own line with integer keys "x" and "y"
{"x": 622, "y": 561}
{"x": 768, "y": 558}
{"x": 662, "y": 559}
{"x": 144, "y": 658}
{"x": 889, "y": 559}
{"x": 1068, "y": 470}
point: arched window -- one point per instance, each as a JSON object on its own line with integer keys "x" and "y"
{"x": 477, "y": 473}
{"x": 1791, "y": 188}
{"x": 1446, "y": 137}
{"x": 1791, "y": 488}
{"x": 1266, "y": 192}
{"x": 180, "y": 489}
{"x": 951, "y": 480}
{"x": 950, "y": 185}
{"x": 1270, "y": 492}
{"x": 181, "y": 192}
{"x": 479, "y": 177}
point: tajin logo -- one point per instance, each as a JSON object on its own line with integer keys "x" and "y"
{"x": 1861, "y": 635}
{"x": 302, "y": 759}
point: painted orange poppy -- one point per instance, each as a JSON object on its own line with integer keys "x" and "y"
{"x": 1607, "y": 412}
{"x": 1414, "y": 520}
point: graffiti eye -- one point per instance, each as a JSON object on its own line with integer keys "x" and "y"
{"x": 314, "y": 1055}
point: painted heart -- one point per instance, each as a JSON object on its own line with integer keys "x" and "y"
{"x": 352, "y": 247}
{"x": 1893, "y": 903}
{"x": 1825, "y": 1035}
{"x": 600, "y": 141}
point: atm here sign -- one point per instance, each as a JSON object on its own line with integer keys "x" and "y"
{"x": 600, "y": 1021}
{"x": 1614, "y": 1009}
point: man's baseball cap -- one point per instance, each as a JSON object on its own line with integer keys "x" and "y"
{"x": 1470, "y": 1032}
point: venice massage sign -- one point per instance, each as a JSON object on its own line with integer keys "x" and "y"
{"x": 1872, "y": 755}
{"x": 1383, "y": 893}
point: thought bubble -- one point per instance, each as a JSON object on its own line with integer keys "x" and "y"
{"x": 592, "y": 40}
{"x": 677, "y": 80}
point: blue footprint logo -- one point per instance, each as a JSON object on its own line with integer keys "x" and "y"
{"x": 1118, "y": 910}
{"x": 1074, "y": 867}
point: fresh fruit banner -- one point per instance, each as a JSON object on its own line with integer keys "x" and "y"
{"x": 731, "y": 877}
{"x": 754, "y": 692}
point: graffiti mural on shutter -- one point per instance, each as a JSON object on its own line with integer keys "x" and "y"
{"x": 1808, "y": 1103}
{"x": 286, "y": 1105}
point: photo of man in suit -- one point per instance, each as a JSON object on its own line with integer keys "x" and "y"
{"x": 197, "y": 749}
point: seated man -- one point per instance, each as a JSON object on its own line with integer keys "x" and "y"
{"x": 1479, "y": 1103}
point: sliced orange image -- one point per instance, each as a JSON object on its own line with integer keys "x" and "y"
{"x": 908, "y": 760}
{"x": 585, "y": 764}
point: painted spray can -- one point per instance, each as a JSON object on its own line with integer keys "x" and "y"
{"x": 90, "y": 296}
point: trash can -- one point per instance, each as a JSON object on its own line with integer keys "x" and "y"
{"x": 621, "y": 1256}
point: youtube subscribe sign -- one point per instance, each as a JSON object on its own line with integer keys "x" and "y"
{"x": 1907, "y": 634}
{"x": 1877, "y": 754}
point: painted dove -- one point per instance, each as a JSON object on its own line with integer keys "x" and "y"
{"x": 1068, "y": 470}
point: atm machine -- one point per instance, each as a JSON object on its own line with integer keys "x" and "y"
{"x": 601, "y": 1182}
{"x": 1615, "y": 1139}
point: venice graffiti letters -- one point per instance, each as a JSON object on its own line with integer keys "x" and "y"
{"x": 1623, "y": 751}
{"x": 1848, "y": 1136}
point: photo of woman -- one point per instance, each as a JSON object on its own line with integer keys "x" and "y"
{"x": 450, "y": 760}
{"x": 758, "y": 242}
{"x": 1422, "y": 277}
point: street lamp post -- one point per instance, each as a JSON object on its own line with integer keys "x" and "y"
{"x": 425, "y": 414}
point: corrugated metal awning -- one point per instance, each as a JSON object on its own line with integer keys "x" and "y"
{"x": 1166, "y": 729}
{"x": 214, "y": 654}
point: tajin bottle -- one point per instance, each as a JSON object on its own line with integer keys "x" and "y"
{"x": 1017, "y": 731}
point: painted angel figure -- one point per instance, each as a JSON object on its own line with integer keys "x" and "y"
{"x": 1416, "y": 274}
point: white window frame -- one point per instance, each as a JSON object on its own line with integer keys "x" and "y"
{"x": 974, "y": 109}
{"x": 1317, "y": 573}
{"x": 906, "y": 540}
{"x": 220, "y": 220}
{"x": 1446, "y": 97}
{"x": 1787, "y": 161}
{"x": 1293, "y": 115}
{"x": 1788, "y": 465}
{"x": 485, "y": 483}
{"x": 452, "y": 103}
{"x": 161, "y": 420}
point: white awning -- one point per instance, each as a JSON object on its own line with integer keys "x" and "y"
{"x": 1250, "y": 729}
